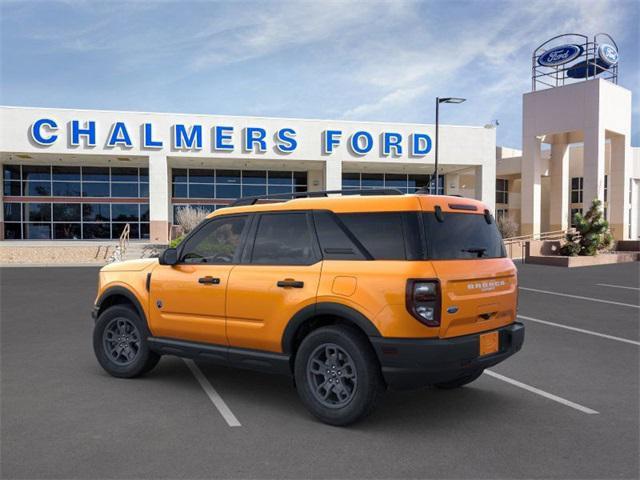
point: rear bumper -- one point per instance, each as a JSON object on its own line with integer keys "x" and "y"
{"x": 414, "y": 363}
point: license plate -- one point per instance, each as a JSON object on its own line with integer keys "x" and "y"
{"x": 489, "y": 343}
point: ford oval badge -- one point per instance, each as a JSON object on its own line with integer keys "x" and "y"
{"x": 608, "y": 54}
{"x": 560, "y": 55}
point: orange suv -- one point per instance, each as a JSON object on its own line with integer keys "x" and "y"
{"x": 349, "y": 294}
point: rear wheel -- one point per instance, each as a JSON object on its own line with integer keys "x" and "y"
{"x": 337, "y": 375}
{"x": 120, "y": 343}
{"x": 459, "y": 382}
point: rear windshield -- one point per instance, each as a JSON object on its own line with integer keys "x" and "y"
{"x": 462, "y": 236}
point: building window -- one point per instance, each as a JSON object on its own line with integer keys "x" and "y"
{"x": 606, "y": 187}
{"x": 82, "y": 206}
{"x": 576, "y": 189}
{"x": 400, "y": 181}
{"x": 501, "y": 213}
{"x": 502, "y": 190}
{"x": 197, "y": 186}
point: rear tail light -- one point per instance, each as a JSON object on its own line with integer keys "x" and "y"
{"x": 423, "y": 301}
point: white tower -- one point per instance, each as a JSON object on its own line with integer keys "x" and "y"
{"x": 576, "y": 99}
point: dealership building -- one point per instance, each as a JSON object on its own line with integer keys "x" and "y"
{"x": 86, "y": 174}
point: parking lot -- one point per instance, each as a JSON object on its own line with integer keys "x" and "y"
{"x": 567, "y": 405}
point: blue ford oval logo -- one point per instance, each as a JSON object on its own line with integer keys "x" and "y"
{"x": 608, "y": 54}
{"x": 560, "y": 55}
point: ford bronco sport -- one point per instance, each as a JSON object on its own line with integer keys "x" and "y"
{"x": 349, "y": 294}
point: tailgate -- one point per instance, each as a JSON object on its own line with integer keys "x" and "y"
{"x": 477, "y": 295}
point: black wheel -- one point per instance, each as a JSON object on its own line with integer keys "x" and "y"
{"x": 459, "y": 382}
{"x": 120, "y": 343}
{"x": 337, "y": 375}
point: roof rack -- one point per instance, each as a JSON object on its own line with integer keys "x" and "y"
{"x": 283, "y": 197}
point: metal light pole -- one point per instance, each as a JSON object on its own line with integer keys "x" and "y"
{"x": 438, "y": 102}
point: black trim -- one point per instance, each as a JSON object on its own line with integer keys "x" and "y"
{"x": 461, "y": 206}
{"x": 413, "y": 362}
{"x": 117, "y": 290}
{"x": 324, "y": 309}
{"x": 147, "y": 284}
{"x": 284, "y": 197}
{"x": 269, "y": 362}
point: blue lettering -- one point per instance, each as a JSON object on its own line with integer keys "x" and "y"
{"x": 421, "y": 144}
{"x": 391, "y": 140}
{"x": 89, "y": 131}
{"x": 356, "y": 145}
{"x": 119, "y": 136}
{"x": 222, "y": 136}
{"x": 286, "y": 142}
{"x": 183, "y": 139}
{"x": 330, "y": 140}
{"x": 253, "y": 136}
{"x": 147, "y": 138}
{"x": 37, "y": 134}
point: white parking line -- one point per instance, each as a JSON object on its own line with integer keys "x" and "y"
{"x": 581, "y": 330}
{"x": 213, "y": 395}
{"x": 542, "y": 393}
{"x": 580, "y": 298}
{"x": 616, "y": 286}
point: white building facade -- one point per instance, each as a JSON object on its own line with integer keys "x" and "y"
{"x": 85, "y": 174}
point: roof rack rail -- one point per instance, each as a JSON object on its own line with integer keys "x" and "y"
{"x": 283, "y": 197}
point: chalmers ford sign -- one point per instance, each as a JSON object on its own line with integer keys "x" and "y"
{"x": 220, "y": 138}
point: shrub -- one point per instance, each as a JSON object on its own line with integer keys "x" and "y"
{"x": 592, "y": 233}
{"x": 190, "y": 217}
{"x": 176, "y": 241}
{"x": 507, "y": 226}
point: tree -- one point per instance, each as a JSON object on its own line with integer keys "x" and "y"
{"x": 592, "y": 233}
{"x": 508, "y": 228}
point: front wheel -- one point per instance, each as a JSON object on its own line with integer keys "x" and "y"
{"x": 120, "y": 343}
{"x": 337, "y": 375}
{"x": 459, "y": 382}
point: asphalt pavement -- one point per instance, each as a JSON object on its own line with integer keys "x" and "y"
{"x": 566, "y": 406}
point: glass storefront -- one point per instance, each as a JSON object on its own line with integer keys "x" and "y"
{"x": 192, "y": 186}
{"x": 77, "y": 202}
{"x": 406, "y": 183}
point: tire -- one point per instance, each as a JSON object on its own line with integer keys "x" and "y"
{"x": 459, "y": 382}
{"x": 337, "y": 375}
{"x": 130, "y": 358}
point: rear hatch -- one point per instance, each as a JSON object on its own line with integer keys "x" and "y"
{"x": 477, "y": 282}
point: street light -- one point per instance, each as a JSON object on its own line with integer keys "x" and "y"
{"x": 438, "y": 102}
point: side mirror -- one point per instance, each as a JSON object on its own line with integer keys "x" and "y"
{"x": 169, "y": 256}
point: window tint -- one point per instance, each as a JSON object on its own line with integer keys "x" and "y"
{"x": 334, "y": 242}
{"x": 283, "y": 239}
{"x": 380, "y": 233}
{"x": 216, "y": 242}
{"x": 462, "y": 235}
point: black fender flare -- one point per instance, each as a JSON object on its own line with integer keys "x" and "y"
{"x": 124, "y": 292}
{"x": 325, "y": 308}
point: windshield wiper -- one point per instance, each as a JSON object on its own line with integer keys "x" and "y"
{"x": 479, "y": 251}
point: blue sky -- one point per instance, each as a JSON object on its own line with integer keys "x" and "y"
{"x": 355, "y": 60}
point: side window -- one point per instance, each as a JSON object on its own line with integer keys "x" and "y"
{"x": 216, "y": 242}
{"x": 382, "y": 234}
{"x": 283, "y": 239}
{"x": 334, "y": 242}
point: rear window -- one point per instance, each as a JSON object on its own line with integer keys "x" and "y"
{"x": 462, "y": 236}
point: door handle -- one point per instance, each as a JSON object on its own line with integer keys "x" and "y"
{"x": 290, "y": 283}
{"x": 209, "y": 281}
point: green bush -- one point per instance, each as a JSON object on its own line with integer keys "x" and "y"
{"x": 592, "y": 233}
{"x": 176, "y": 241}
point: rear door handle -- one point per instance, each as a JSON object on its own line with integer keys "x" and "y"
{"x": 209, "y": 281}
{"x": 290, "y": 283}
